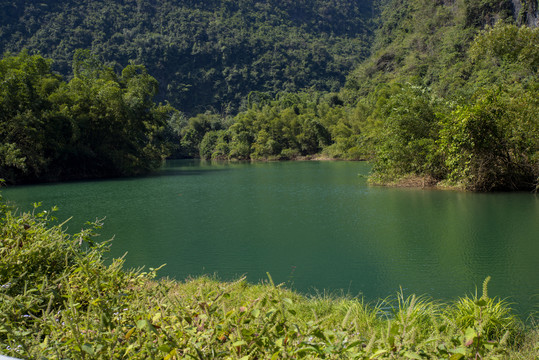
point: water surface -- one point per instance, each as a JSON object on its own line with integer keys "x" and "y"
{"x": 316, "y": 226}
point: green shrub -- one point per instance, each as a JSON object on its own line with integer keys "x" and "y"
{"x": 491, "y": 316}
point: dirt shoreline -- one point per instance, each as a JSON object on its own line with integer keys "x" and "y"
{"x": 416, "y": 181}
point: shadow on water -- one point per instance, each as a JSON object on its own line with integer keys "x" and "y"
{"x": 183, "y": 172}
{"x": 183, "y": 167}
{"x": 194, "y": 167}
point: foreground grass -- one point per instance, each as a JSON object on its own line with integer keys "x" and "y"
{"x": 60, "y": 300}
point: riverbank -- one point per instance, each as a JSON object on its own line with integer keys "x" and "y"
{"x": 60, "y": 299}
{"x": 416, "y": 181}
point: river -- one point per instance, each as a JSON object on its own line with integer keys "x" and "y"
{"x": 316, "y": 226}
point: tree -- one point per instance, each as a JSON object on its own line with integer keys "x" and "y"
{"x": 406, "y": 133}
{"x": 98, "y": 124}
{"x": 492, "y": 144}
{"x": 26, "y": 115}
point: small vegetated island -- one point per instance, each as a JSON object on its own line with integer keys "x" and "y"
{"x": 432, "y": 92}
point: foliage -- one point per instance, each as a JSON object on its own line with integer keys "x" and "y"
{"x": 484, "y": 140}
{"x": 193, "y": 132}
{"x": 206, "y": 55}
{"x": 26, "y": 114}
{"x": 488, "y": 323}
{"x": 97, "y": 124}
{"x": 285, "y": 127}
{"x": 406, "y": 132}
{"x": 439, "y": 118}
{"x": 492, "y": 144}
{"x": 505, "y": 45}
{"x": 449, "y": 94}
{"x": 425, "y": 43}
{"x": 489, "y": 317}
{"x": 66, "y": 302}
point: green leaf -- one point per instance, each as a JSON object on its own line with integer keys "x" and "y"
{"x": 87, "y": 348}
{"x": 288, "y": 301}
{"x": 412, "y": 355}
{"x": 141, "y": 324}
{"x": 307, "y": 349}
{"x": 378, "y": 353}
{"x": 165, "y": 348}
{"x": 129, "y": 333}
{"x": 170, "y": 355}
{"x": 239, "y": 343}
{"x": 469, "y": 336}
{"x": 45, "y": 343}
{"x": 460, "y": 350}
{"x": 146, "y": 325}
{"x": 129, "y": 348}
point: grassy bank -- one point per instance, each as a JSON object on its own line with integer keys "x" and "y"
{"x": 59, "y": 299}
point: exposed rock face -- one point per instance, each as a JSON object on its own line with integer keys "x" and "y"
{"x": 526, "y": 12}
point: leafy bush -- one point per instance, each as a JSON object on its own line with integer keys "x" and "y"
{"x": 492, "y": 144}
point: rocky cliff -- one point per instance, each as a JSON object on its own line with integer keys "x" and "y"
{"x": 526, "y": 12}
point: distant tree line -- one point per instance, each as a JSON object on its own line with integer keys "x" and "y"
{"x": 289, "y": 126}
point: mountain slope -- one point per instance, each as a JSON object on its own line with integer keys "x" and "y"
{"x": 450, "y": 93}
{"x": 425, "y": 42}
{"x": 205, "y": 54}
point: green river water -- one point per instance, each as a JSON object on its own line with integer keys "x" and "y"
{"x": 316, "y": 226}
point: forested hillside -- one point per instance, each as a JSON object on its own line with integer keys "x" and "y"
{"x": 442, "y": 92}
{"x": 450, "y": 93}
{"x": 205, "y": 54}
{"x": 425, "y": 42}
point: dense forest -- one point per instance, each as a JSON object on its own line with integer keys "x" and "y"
{"x": 97, "y": 124}
{"x": 433, "y": 92}
{"x": 205, "y": 54}
{"x": 450, "y": 94}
